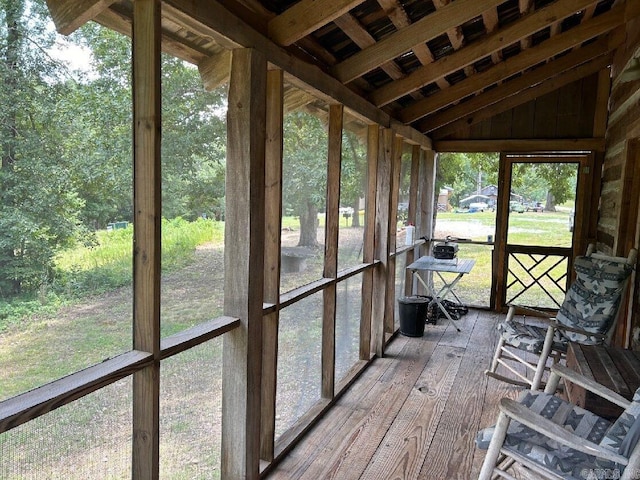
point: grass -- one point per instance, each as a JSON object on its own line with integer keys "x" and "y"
{"x": 528, "y": 228}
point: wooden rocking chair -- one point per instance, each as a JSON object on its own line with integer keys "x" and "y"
{"x": 587, "y": 316}
{"x": 557, "y": 440}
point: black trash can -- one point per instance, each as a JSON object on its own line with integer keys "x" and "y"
{"x": 413, "y": 315}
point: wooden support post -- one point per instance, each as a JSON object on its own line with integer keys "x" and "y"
{"x": 381, "y": 241}
{"x": 500, "y": 259}
{"x": 244, "y": 265}
{"x": 273, "y": 228}
{"x": 332, "y": 220}
{"x": 396, "y": 168}
{"x": 426, "y": 214}
{"x": 373, "y": 138}
{"x": 146, "y": 238}
{"x": 411, "y": 214}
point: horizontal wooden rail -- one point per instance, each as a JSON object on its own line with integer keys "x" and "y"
{"x": 196, "y": 335}
{"x": 30, "y": 405}
{"x": 299, "y": 293}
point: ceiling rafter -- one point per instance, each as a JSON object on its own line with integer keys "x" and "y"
{"x": 494, "y": 42}
{"x": 517, "y": 85}
{"x": 69, "y": 15}
{"x": 531, "y": 93}
{"x": 306, "y": 16}
{"x": 514, "y": 65}
{"x": 400, "y": 20}
{"x": 425, "y": 29}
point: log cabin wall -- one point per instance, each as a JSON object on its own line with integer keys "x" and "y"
{"x": 617, "y": 228}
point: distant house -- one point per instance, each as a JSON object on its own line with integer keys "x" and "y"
{"x": 466, "y": 202}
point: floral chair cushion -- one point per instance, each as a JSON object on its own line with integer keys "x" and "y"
{"x": 566, "y": 462}
{"x": 528, "y": 337}
{"x": 592, "y": 300}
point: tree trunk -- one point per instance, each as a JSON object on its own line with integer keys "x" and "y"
{"x": 308, "y": 225}
{"x": 13, "y": 12}
{"x": 550, "y": 205}
{"x": 356, "y": 213}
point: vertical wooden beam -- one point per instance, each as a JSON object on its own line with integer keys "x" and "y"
{"x": 500, "y": 257}
{"x": 244, "y": 265}
{"x": 334, "y": 162}
{"x": 147, "y": 184}
{"x": 396, "y": 169}
{"x": 411, "y": 214}
{"x": 273, "y": 229}
{"x": 381, "y": 242}
{"x": 424, "y": 228}
{"x": 600, "y": 118}
{"x": 373, "y": 138}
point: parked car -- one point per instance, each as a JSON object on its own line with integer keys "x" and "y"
{"x": 515, "y": 206}
{"x": 534, "y": 207}
{"x": 478, "y": 207}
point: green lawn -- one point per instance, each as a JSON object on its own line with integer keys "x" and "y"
{"x": 528, "y": 228}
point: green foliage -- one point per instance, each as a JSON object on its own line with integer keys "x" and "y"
{"x": 107, "y": 263}
{"x": 38, "y": 207}
{"x": 305, "y": 161}
{"x": 460, "y": 171}
{"x": 60, "y": 180}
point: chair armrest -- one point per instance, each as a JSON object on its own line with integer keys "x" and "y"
{"x": 589, "y": 384}
{"x": 530, "y": 311}
{"x": 536, "y": 422}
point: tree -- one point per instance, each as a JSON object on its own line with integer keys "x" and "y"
{"x": 461, "y": 171}
{"x": 304, "y": 172}
{"x": 552, "y": 182}
{"x": 353, "y": 175}
{"x": 38, "y": 205}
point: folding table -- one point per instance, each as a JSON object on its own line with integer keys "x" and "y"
{"x": 438, "y": 266}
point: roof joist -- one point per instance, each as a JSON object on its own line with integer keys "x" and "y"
{"x": 496, "y": 41}
{"x": 69, "y": 15}
{"x": 523, "y": 96}
{"x": 306, "y": 16}
{"x": 513, "y": 87}
{"x": 427, "y": 28}
{"x": 527, "y": 59}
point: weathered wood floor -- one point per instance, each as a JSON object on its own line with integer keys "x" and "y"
{"x": 413, "y": 414}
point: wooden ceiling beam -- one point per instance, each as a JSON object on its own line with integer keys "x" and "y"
{"x": 215, "y": 70}
{"x": 361, "y": 37}
{"x": 513, "y": 87}
{"x": 305, "y": 17}
{"x": 402, "y": 41}
{"x": 69, "y": 15}
{"x": 527, "y": 95}
{"x": 520, "y": 145}
{"x": 400, "y": 20}
{"x": 514, "y": 65}
{"x": 494, "y": 42}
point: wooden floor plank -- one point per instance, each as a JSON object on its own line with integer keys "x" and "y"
{"x": 359, "y": 438}
{"x": 407, "y": 442}
{"x": 360, "y": 397}
{"x": 413, "y": 414}
{"x": 451, "y": 453}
